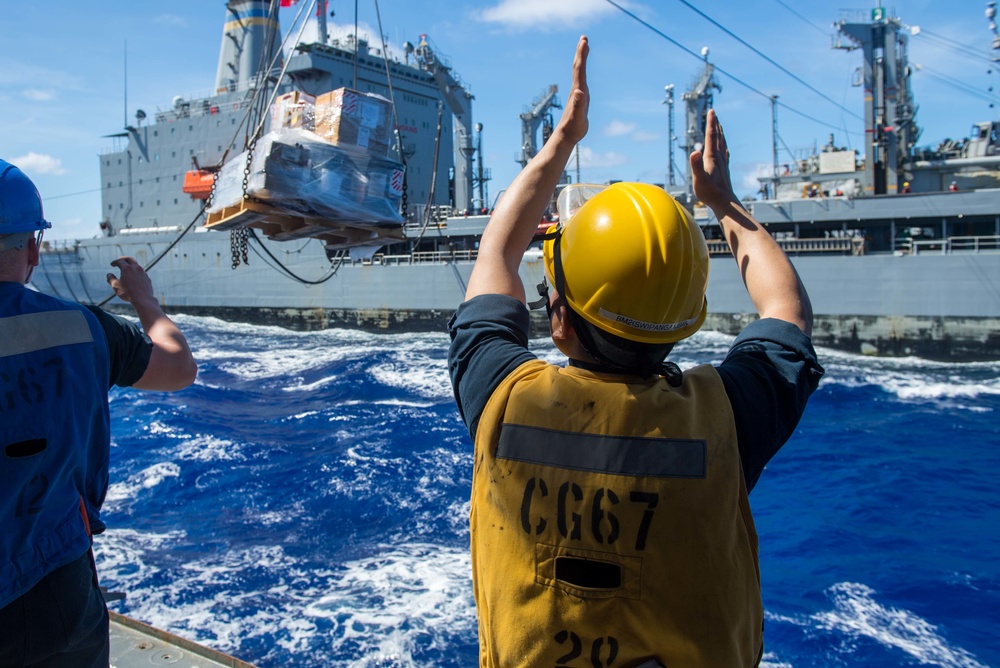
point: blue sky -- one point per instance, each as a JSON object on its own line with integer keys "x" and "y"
{"x": 61, "y": 76}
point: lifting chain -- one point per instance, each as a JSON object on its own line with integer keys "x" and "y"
{"x": 239, "y": 238}
{"x": 246, "y": 167}
{"x": 403, "y": 205}
{"x": 402, "y": 160}
{"x": 239, "y": 242}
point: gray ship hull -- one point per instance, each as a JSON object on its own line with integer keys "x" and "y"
{"x": 934, "y": 305}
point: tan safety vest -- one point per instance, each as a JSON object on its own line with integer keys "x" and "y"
{"x": 610, "y": 524}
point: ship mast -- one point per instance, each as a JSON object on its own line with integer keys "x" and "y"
{"x": 669, "y": 101}
{"x": 697, "y": 101}
{"x": 890, "y": 126}
{"x": 991, "y": 12}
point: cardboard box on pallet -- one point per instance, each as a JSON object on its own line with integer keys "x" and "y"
{"x": 293, "y": 110}
{"x": 345, "y": 116}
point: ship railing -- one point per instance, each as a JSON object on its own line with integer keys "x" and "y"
{"x": 841, "y": 245}
{"x": 59, "y": 246}
{"x": 955, "y": 245}
{"x": 438, "y": 217}
{"x": 201, "y": 107}
{"x": 421, "y": 257}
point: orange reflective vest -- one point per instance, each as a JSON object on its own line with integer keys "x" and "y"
{"x": 610, "y": 524}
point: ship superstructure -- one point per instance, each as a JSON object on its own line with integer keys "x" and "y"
{"x": 888, "y": 271}
{"x": 143, "y": 179}
{"x": 896, "y": 198}
{"x": 892, "y": 162}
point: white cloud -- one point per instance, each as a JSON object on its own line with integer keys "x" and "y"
{"x": 618, "y": 128}
{"x": 646, "y": 136}
{"x": 751, "y": 173}
{"x": 39, "y": 95}
{"x": 172, "y": 20}
{"x": 545, "y": 14}
{"x": 590, "y": 159}
{"x": 39, "y": 163}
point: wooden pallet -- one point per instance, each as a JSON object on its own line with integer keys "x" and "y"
{"x": 280, "y": 225}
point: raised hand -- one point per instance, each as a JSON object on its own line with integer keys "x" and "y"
{"x": 710, "y": 166}
{"x": 574, "y": 123}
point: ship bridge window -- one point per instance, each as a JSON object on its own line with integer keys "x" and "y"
{"x": 156, "y": 133}
{"x": 172, "y": 130}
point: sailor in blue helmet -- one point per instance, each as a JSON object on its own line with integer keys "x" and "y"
{"x": 58, "y": 360}
{"x": 609, "y": 520}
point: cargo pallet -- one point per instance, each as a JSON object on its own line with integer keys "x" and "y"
{"x": 280, "y": 225}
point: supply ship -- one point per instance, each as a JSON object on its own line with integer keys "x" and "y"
{"x": 899, "y": 249}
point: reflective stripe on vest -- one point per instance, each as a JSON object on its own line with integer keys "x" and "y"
{"x": 28, "y": 333}
{"x": 610, "y": 523}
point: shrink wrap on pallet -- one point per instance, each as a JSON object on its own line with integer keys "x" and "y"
{"x": 300, "y": 173}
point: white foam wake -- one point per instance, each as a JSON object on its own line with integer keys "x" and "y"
{"x": 148, "y": 478}
{"x": 857, "y": 613}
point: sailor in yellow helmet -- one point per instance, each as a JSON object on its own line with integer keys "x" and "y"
{"x": 610, "y": 524}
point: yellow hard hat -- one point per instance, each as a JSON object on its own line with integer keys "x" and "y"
{"x": 632, "y": 263}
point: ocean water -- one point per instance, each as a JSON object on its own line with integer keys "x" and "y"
{"x": 305, "y": 503}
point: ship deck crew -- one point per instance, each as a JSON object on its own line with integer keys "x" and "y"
{"x": 58, "y": 360}
{"x": 610, "y": 522}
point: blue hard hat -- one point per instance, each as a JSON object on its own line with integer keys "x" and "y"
{"x": 20, "y": 203}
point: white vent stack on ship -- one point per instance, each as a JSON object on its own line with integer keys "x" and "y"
{"x": 245, "y": 34}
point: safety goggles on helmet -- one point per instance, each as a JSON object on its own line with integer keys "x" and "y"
{"x": 570, "y": 199}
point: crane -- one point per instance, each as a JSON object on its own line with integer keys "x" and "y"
{"x": 459, "y": 101}
{"x": 537, "y": 115}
